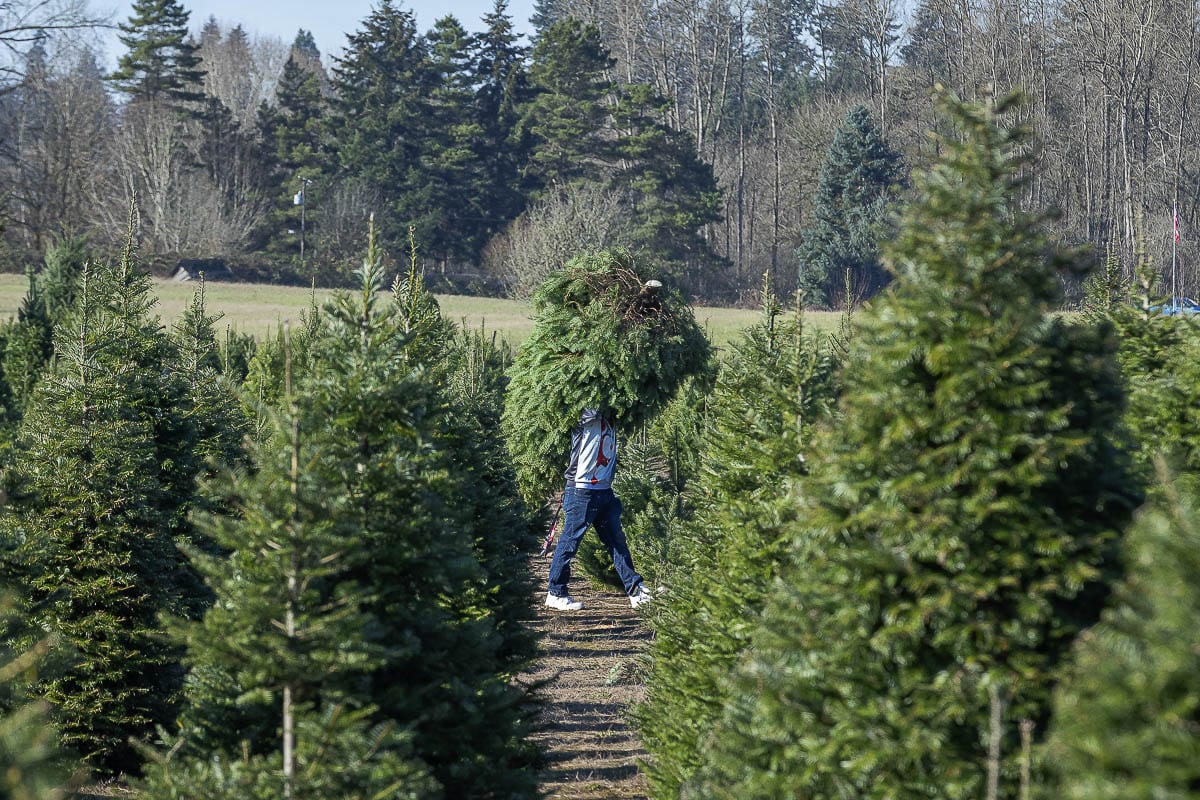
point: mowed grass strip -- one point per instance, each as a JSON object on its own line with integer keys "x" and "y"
{"x": 259, "y": 309}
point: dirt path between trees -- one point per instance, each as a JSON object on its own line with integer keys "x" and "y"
{"x": 591, "y": 662}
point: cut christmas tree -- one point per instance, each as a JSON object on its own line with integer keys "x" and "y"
{"x": 603, "y": 337}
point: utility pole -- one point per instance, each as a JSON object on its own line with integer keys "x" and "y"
{"x": 301, "y": 201}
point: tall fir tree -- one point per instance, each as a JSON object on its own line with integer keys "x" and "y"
{"x": 671, "y": 193}
{"x": 383, "y": 81}
{"x": 565, "y": 119}
{"x": 773, "y": 388}
{"x": 580, "y": 126}
{"x": 160, "y": 64}
{"x": 455, "y": 230}
{"x": 296, "y": 140}
{"x": 1124, "y": 723}
{"x": 962, "y": 527}
{"x": 856, "y": 195}
{"x": 502, "y": 85}
{"x": 545, "y": 14}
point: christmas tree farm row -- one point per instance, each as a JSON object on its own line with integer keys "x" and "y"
{"x": 947, "y": 552}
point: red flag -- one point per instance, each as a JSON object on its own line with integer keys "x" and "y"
{"x": 1175, "y": 216}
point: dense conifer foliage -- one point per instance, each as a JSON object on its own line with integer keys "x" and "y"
{"x": 427, "y": 593}
{"x": 773, "y": 387}
{"x": 32, "y": 765}
{"x": 109, "y": 451}
{"x": 28, "y": 340}
{"x": 281, "y": 659}
{"x": 603, "y": 339}
{"x": 960, "y": 525}
{"x": 1159, "y": 356}
{"x": 1124, "y": 716}
{"x": 161, "y": 64}
{"x": 859, "y": 187}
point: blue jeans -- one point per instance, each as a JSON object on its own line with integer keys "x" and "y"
{"x": 601, "y": 508}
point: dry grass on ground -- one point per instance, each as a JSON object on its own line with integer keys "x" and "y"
{"x": 258, "y": 309}
{"x": 590, "y": 661}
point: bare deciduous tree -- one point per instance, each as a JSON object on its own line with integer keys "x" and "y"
{"x": 27, "y": 23}
{"x": 543, "y": 238}
{"x": 240, "y": 71}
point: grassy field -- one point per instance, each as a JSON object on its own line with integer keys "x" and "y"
{"x": 258, "y": 309}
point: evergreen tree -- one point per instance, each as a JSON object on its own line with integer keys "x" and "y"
{"x": 772, "y": 389}
{"x": 383, "y": 82}
{"x": 28, "y": 341}
{"x": 601, "y": 339}
{"x": 291, "y": 549}
{"x": 440, "y": 665}
{"x": 545, "y": 14}
{"x": 231, "y": 156}
{"x": 961, "y": 528}
{"x": 580, "y": 126}
{"x": 58, "y": 281}
{"x": 295, "y": 137}
{"x": 31, "y": 765}
{"x": 565, "y": 120}
{"x": 858, "y": 188}
{"x": 212, "y": 402}
{"x": 28, "y": 344}
{"x": 338, "y": 755}
{"x": 672, "y": 194}
{"x": 502, "y": 85}
{"x": 264, "y": 383}
{"x": 1160, "y": 363}
{"x": 1124, "y": 715}
{"x": 161, "y": 64}
{"x": 305, "y": 46}
{"x": 455, "y": 229}
{"x": 106, "y": 467}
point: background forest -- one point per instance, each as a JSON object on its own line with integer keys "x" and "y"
{"x": 703, "y": 134}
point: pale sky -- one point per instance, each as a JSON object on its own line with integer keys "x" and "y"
{"x": 330, "y": 20}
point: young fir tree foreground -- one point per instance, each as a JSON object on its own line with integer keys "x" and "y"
{"x": 961, "y": 522}
{"x": 32, "y": 765}
{"x": 280, "y": 658}
{"x": 406, "y": 626}
{"x": 773, "y": 387}
{"x": 1159, "y": 357}
{"x": 108, "y": 457}
{"x": 1125, "y": 716}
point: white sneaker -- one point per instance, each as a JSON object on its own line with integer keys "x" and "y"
{"x": 640, "y": 595}
{"x": 564, "y": 603}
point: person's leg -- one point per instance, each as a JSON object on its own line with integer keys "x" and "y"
{"x": 612, "y": 536}
{"x": 575, "y": 522}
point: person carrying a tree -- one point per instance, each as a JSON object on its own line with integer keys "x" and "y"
{"x": 588, "y": 499}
